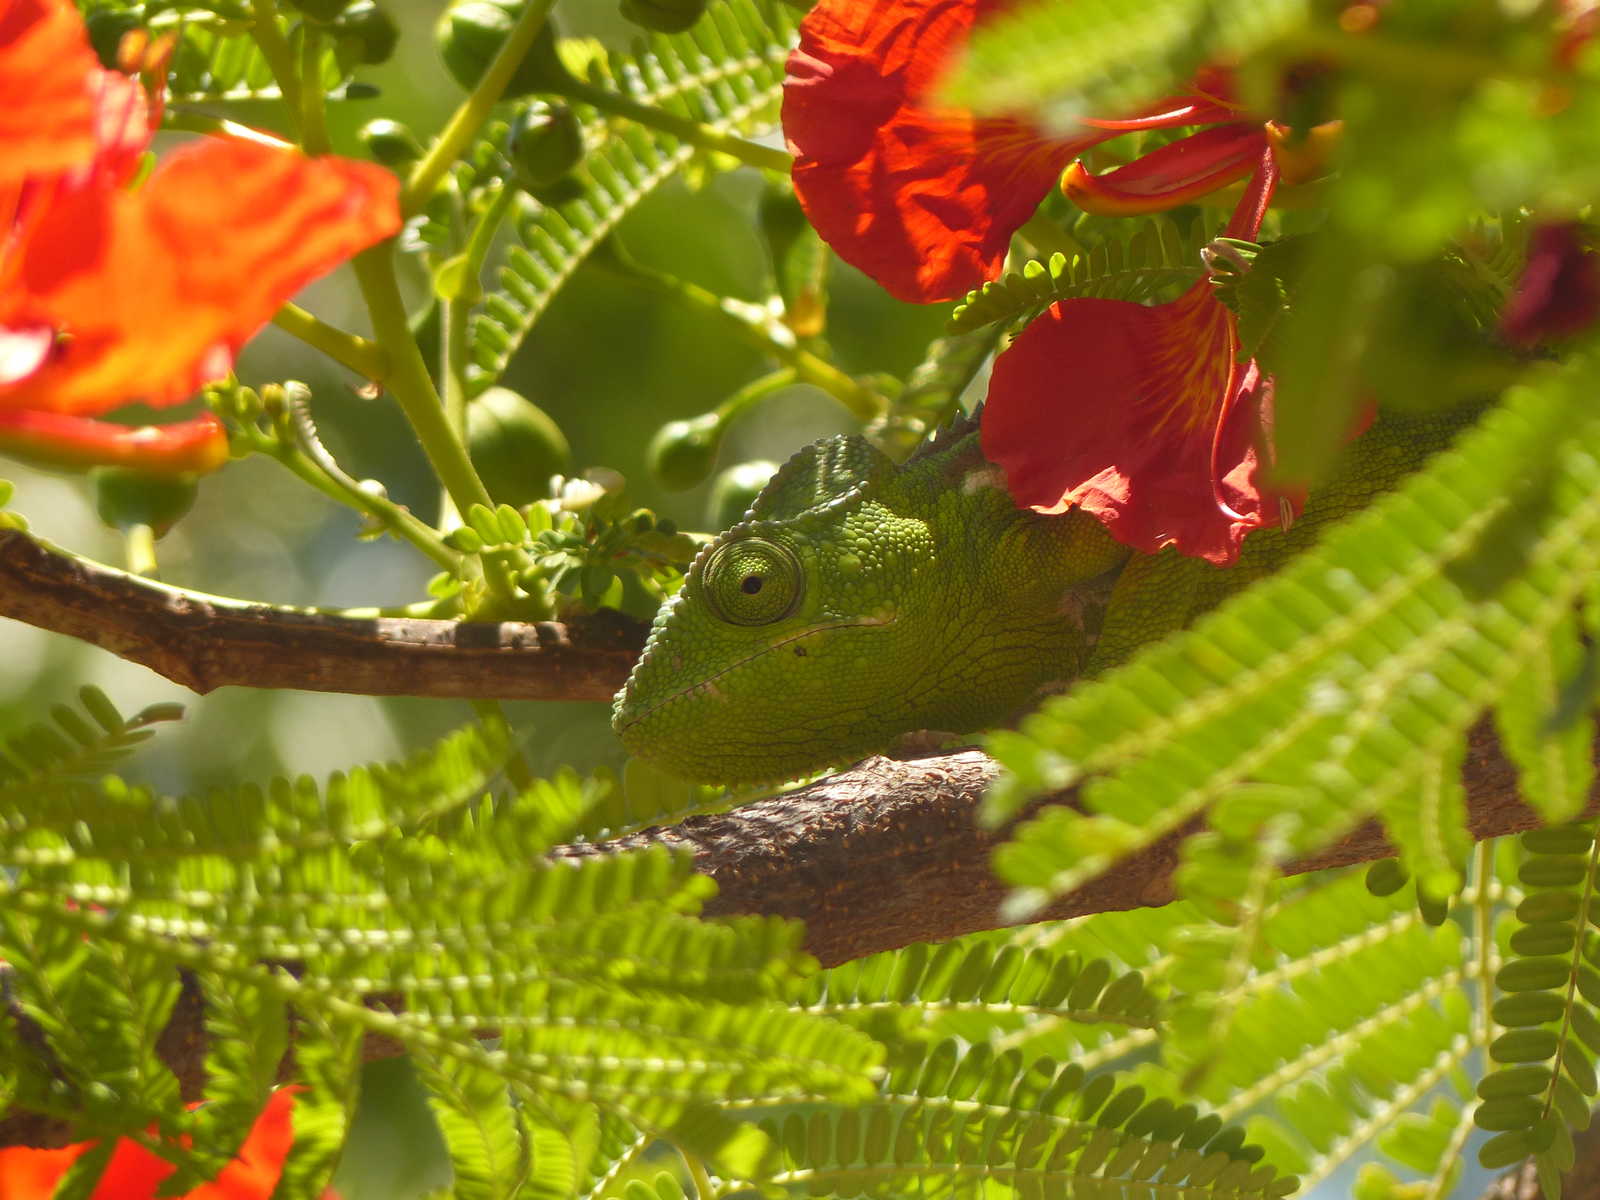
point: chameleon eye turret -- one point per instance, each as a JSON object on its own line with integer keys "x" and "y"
{"x": 753, "y": 582}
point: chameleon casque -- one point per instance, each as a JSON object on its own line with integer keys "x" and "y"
{"x": 859, "y": 600}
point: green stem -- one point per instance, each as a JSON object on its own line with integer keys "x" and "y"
{"x": 408, "y": 381}
{"x": 475, "y": 109}
{"x": 139, "y": 544}
{"x": 313, "y": 103}
{"x": 276, "y": 50}
{"x": 864, "y": 403}
{"x": 695, "y": 133}
{"x": 308, "y": 459}
{"x": 366, "y": 358}
{"x": 698, "y": 1174}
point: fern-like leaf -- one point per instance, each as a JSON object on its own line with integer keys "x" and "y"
{"x": 724, "y": 73}
{"x": 1157, "y": 256}
{"x": 1312, "y": 699}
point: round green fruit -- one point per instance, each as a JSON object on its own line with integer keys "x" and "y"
{"x": 390, "y": 142}
{"x": 682, "y": 452}
{"x": 515, "y": 446}
{"x": 664, "y": 16}
{"x": 367, "y": 34}
{"x": 470, "y": 33}
{"x": 125, "y": 497}
{"x": 735, "y": 490}
{"x": 544, "y": 143}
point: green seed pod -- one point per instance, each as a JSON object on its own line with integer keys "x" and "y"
{"x": 663, "y": 16}
{"x": 544, "y": 142}
{"x": 390, "y": 142}
{"x": 735, "y": 490}
{"x": 515, "y": 446}
{"x": 682, "y": 452}
{"x": 125, "y": 497}
{"x": 469, "y": 34}
{"x": 367, "y": 34}
{"x": 1386, "y": 877}
{"x": 325, "y": 11}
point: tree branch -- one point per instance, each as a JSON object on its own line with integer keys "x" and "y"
{"x": 887, "y": 854}
{"x": 206, "y": 642}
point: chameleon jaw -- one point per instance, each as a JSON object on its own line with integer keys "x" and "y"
{"x": 709, "y": 683}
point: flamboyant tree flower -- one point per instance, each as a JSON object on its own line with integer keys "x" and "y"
{"x": 115, "y": 290}
{"x": 923, "y": 197}
{"x": 1558, "y": 294}
{"x": 1141, "y": 415}
{"x": 135, "y": 1173}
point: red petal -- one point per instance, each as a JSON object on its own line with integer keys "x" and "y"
{"x": 1119, "y": 408}
{"x": 1178, "y": 173}
{"x": 46, "y": 108}
{"x": 134, "y": 1173}
{"x": 924, "y": 199}
{"x": 1558, "y": 294}
{"x": 58, "y": 439}
{"x": 154, "y": 290}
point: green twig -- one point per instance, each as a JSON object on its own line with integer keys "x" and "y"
{"x": 139, "y": 545}
{"x": 276, "y": 50}
{"x": 310, "y": 460}
{"x": 407, "y": 378}
{"x": 695, "y": 133}
{"x": 474, "y": 110}
{"x": 313, "y": 102}
{"x": 761, "y": 330}
{"x": 366, "y": 358}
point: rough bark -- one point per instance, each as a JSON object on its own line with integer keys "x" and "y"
{"x": 207, "y": 642}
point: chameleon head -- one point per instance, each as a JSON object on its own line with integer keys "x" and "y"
{"x": 774, "y": 655}
{"x": 777, "y": 656}
{"x": 857, "y": 601}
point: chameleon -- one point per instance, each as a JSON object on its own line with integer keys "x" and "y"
{"x": 859, "y": 600}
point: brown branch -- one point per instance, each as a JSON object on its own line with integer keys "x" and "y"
{"x": 887, "y": 854}
{"x": 207, "y": 642}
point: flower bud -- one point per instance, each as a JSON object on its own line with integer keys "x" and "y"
{"x": 663, "y": 16}
{"x": 390, "y": 142}
{"x": 735, "y": 490}
{"x": 544, "y": 143}
{"x": 367, "y": 34}
{"x": 682, "y": 452}
{"x": 515, "y": 446}
{"x": 469, "y": 34}
{"x": 125, "y": 497}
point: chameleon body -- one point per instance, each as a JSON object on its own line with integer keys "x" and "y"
{"x": 859, "y": 600}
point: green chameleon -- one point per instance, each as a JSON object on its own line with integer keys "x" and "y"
{"x": 859, "y": 600}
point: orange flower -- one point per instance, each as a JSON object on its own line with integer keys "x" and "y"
{"x": 1141, "y": 415}
{"x": 134, "y": 1173}
{"x": 925, "y": 198}
{"x": 111, "y": 293}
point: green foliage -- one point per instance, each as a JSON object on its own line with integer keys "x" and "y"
{"x": 1154, "y": 258}
{"x": 723, "y": 73}
{"x": 1473, "y": 567}
{"x": 1099, "y": 57}
{"x": 425, "y": 881}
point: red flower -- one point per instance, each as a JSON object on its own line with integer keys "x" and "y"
{"x": 112, "y": 293}
{"x": 134, "y": 1173}
{"x": 1559, "y": 292}
{"x": 925, "y": 198}
{"x": 1141, "y": 415}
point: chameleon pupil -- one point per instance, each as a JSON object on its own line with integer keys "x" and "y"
{"x": 750, "y": 585}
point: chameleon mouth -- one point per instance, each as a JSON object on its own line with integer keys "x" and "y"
{"x": 709, "y": 682}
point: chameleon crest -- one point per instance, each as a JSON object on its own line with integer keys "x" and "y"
{"x": 858, "y": 600}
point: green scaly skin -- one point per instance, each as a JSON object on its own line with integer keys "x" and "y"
{"x": 858, "y": 601}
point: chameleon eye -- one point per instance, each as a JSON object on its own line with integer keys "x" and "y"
{"x": 752, "y": 581}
